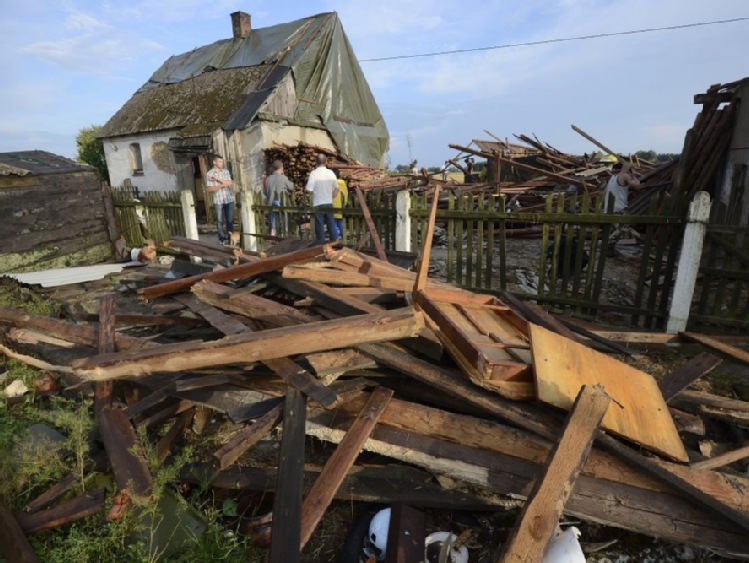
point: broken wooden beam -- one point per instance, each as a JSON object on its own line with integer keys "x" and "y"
{"x": 63, "y": 513}
{"x": 248, "y": 437}
{"x": 540, "y": 515}
{"x": 722, "y": 459}
{"x": 287, "y": 503}
{"x": 647, "y": 511}
{"x": 52, "y": 494}
{"x": 405, "y": 541}
{"x": 165, "y": 444}
{"x": 243, "y": 271}
{"x": 14, "y": 546}
{"x": 370, "y": 224}
{"x": 103, "y": 389}
{"x": 78, "y": 334}
{"x": 340, "y": 462}
{"x": 685, "y": 375}
{"x": 715, "y": 344}
{"x": 253, "y": 347}
{"x": 124, "y": 452}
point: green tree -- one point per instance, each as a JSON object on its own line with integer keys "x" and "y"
{"x": 91, "y": 150}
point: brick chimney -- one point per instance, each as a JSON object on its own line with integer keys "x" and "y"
{"x": 241, "y": 24}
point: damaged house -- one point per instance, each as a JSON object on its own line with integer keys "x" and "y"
{"x": 285, "y": 84}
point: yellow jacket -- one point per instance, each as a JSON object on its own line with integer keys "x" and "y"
{"x": 341, "y": 200}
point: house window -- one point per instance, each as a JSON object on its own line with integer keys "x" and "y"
{"x": 136, "y": 160}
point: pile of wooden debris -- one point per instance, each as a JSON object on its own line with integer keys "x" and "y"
{"x": 330, "y": 343}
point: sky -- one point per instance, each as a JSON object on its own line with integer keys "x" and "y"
{"x": 72, "y": 64}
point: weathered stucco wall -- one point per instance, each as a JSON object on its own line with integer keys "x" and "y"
{"x": 159, "y": 169}
{"x": 52, "y": 221}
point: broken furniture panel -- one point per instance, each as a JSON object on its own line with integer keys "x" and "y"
{"x": 489, "y": 348}
{"x": 638, "y": 411}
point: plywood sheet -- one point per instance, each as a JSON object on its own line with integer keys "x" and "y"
{"x": 637, "y": 411}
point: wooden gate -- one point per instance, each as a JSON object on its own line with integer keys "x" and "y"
{"x": 722, "y": 294}
{"x": 151, "y": 215}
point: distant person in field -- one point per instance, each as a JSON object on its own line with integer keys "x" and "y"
{"x": 469, "y": 170}
{"x": 324, "y": 187}
{"x": 414, "y": 167}
{"x": 445, "y": 170}
{"x": 275, "y": 186}
{"x": 618, "y": 188}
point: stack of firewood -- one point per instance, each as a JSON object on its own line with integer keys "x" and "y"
{"x": 300, "y": 160}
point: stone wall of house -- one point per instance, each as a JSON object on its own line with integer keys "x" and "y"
{"x": 158, "y": 171}
{"x": 52, "y": 221}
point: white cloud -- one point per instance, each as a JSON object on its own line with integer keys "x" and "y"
{"x": 78, "y": 21}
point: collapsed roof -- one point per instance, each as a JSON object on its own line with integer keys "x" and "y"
{"x": 188, "y": 91}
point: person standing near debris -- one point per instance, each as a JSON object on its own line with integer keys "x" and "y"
{"x": 276, "y": 184}
{"x": 220, "y": 184}
{"x": 469, "y": 170}
{"x": 618, "y": 187}
{"x": 415, "y": 167}
{"x": 324, "y": 187}
{"x": 339, "y": 202}
{"x": 444, "y": 170}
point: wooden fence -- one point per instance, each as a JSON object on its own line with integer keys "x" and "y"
{"x": 571, "y": 267}
{"x": 723, "y": 285}
{"x": 151, "y": 215}
{"x": 565, "y": 266}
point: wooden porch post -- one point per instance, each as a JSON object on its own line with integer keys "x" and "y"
{"x": 249, "y": 226}
{"x": 403, "y": 221}
{"x": 689, "y": 263}
{"x": 188, "y": 214}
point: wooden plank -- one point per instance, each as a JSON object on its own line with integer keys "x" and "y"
{"x": 540, "y": 514}
{"x": 253, "y": 347}
{"x": 370, "y": 224}
{"x": 684, "y": 375}
{"x": 166, "y": 443}
{"x": 217, "y": 319}
{"x": 426, "y": 250}
{"x": 103, "y": 389}
{"x": 371, "y": 483}
{"x": 68, "y": 331}
{"x": 287, "y": 504}
{"x": 14, "y": 546}
{"x": 405, "y": 541}
{"x": 288, "y": 370}
{"x": 679, "y": 477}
{"x": 125, "y": 454}
{"x": 644, "y": 511}
{"x": 248, "y": 437}
{"x": 52, "y": 494}
{"x": 324, "y": 489}
{"x": 242, "y": 271}
{"x": 715, "y": 344}
{"x": 722, "y": 459}
{"x": 65, "y": 512}
{"x": 639, "y": 414}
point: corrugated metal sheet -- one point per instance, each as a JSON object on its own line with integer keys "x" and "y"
{"x": 65, "y": 276}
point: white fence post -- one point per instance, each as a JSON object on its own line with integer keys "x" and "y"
{"x": 249, "y": 242}
{"x": 188, "y": 214}
{"x": 403, "y": 221}
{"x": 689, "y": 263}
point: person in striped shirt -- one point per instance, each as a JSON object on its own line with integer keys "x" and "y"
{"x": 220, "y": 184}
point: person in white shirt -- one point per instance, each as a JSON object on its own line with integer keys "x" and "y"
{"x": 618, "y": 188}
{"x": 324, "y": 187}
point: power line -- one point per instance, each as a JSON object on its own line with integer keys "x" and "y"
{"x": 559, "y": 40}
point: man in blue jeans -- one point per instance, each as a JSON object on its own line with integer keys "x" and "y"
{"x": 324, "y": 187}
{"x": 220, "y": 184}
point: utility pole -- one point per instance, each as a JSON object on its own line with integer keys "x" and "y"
{"x": 410, "y": 143}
